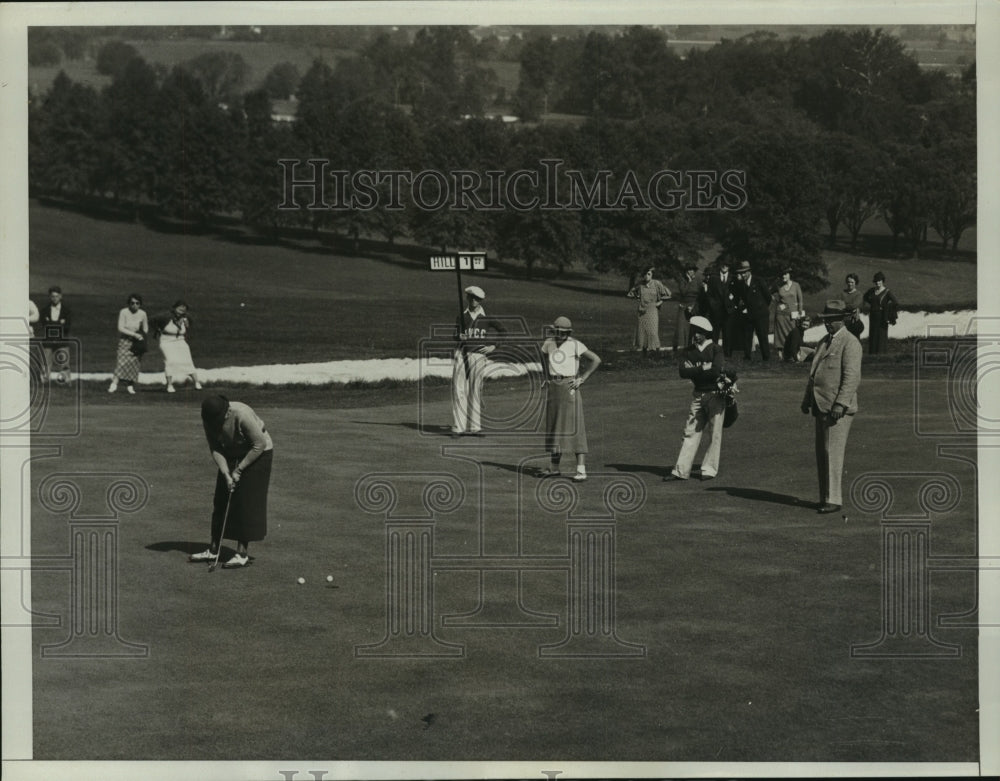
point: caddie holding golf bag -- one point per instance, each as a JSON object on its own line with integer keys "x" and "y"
{"x": 242, "y": 448}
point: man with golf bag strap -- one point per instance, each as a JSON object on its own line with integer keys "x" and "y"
{"x": 242, "y": 449}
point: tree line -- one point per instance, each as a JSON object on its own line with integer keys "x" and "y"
{"x": 831, "y": 131}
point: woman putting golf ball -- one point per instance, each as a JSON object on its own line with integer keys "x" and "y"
{"x": 242, "y": 449}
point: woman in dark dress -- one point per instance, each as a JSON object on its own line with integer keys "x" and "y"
{"x": 242, "y": 449}
{"x": 882, "y": 310}
{"x": 853, "y": 298}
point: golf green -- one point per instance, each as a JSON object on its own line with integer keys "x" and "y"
{"x": 726, "y": 611}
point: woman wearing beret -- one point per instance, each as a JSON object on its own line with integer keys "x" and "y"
{"x": 132, "y": 329}
{"x": 242, "y": 449}
{"x": 565, "y": 431}
{"x": 651, "y": 293}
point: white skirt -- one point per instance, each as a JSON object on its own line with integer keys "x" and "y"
{"x": 176, "y": 356}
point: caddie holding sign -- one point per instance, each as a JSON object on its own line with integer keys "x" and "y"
{"x": 476, "y": 335}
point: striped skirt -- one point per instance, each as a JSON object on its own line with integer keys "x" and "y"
{"x": 126, "y": 364}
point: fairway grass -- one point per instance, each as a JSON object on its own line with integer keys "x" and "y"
{"x": 744, "y": 601}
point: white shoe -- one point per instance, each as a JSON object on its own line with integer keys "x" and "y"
{"x": 197, "y": 386}
{"x": 579, "y": 477}
{"x": 131, "y": 389}
{"x": 113, "y": 387}
{"x": 171, "y": 389}
{"x": 237, "y": 560}
{"x": 205, "y": 555}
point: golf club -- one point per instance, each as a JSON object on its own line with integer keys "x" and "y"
{"x": 222, "y": 534}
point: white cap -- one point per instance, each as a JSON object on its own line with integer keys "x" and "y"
{"x": 701, "y": 322}
{"x": 474, "y": 290}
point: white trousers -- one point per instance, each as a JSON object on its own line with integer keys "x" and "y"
{"x": 707, "y": 409}
{"x": 467, "y": 391}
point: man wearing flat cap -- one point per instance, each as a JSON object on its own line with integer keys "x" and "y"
{"x": 476, "y": 335}
{"x": 832, "y": 398}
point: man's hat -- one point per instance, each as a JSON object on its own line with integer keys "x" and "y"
{"x": 701, "y": 323}
{"x": 562, "y": 324}
{"x": 475, "y": 290}
{"x": 835, "y": 309}
{"x": 744, "y": 266}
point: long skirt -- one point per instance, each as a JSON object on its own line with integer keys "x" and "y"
{"x": 647, "y": 330}
{"x": 126, "y": 363}
{"x": 783, "y": 326}
{"x": 565, "y": 431}
{"x": 176, "y": 357}
{"x": 247, "y": 520}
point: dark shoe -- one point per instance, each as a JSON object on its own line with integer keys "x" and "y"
{"x": 476, "y": 434}
{"x": 550, "y": 473}
{"x": 826, "y": 507}
{"x": 456, "y": 434}
{"x": 672, "y": 477}
{"x": 707, "y": 477}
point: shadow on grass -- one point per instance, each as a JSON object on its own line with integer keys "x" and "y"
{"x": 423, "y": 428}
{"x": 756, "y": 495}
{"x": 185, "y": 547}
{"x": 658, "y": 471}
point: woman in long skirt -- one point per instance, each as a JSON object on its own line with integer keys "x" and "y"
{"x": 565, "y": 429}
{"x": 132, "y": 330}
{"x": 242, "y": 449}
{"x": 787, "y": 309}
{"x": 882, "y": 311}
{"x": 174, "y": 329}
{"x": 651, "y": 294}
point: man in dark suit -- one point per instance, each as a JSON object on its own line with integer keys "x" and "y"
{"x": 753, "y": 300}
{"x": 54, "y": 325}
{"x": 721, "y": 305}
{"x": 832, "y": 398}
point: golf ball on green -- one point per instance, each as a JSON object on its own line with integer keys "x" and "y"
{"x": 329, "y": 578}
{"x": 301, "y": 581}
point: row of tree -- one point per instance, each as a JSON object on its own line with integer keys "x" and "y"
{"x": 861, "y": 132}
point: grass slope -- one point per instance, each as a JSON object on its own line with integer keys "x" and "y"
{"x": 300, "y": 302}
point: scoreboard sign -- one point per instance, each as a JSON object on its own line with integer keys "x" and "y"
{"x": 467, "y": 261}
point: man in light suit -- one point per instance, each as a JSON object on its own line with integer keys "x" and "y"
{"x": 832, "y": 398}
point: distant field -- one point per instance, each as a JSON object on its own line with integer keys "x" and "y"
{"x": 260, "y": 57}
{"x": 303, "y": 303}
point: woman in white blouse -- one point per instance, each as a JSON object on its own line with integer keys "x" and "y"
{"x": 132, "y": 330}
{"x": 565, "y": 431}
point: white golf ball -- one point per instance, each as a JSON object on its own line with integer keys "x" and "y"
{"x": 242, "y": 304}
{"x": 329, "y": 578}
{"x": 301, "y": 581}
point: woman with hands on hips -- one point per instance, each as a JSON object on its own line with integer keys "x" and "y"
{"x": 565, "y": 431}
